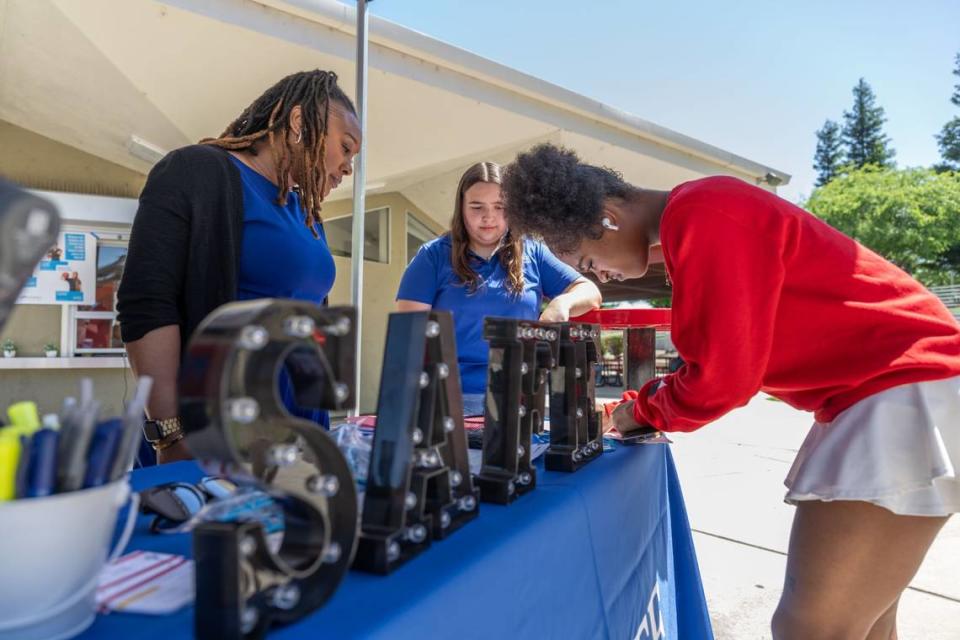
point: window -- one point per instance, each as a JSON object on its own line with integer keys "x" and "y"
{"x": 94, "y": 328}
{"x": 376, "y": 235}
{"x": 417, "y": 234}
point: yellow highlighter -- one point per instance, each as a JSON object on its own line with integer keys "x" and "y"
{"x": 9, "y": 459}
{"x": 25, "y": 416}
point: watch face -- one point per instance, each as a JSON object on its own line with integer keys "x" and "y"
{"x": 151, "y": 430}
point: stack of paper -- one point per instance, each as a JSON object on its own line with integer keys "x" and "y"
{"x": 146, "y": 582}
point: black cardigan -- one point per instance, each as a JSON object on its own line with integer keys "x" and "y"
{"x": 184, "y": 255}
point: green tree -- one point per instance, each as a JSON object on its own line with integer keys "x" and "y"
{"x": 949, "y": 137}
{"x": 863, "y": 135}
{"x": 829, "y": 153}
{"x": 909, "y": 216}
{"x": 949, "y": 142}
{"x": 613, "y": 343}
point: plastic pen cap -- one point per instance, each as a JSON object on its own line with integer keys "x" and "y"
{"x": 24, "y": 415}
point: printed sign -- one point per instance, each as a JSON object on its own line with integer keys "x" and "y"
{"x": 67, "y": 273}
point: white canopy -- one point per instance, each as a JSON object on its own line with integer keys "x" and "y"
{"x": 94, "y": 73}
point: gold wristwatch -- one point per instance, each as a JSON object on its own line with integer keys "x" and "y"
{"x": 163, "y": 433}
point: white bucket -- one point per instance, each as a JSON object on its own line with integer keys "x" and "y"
{"x": 52, "y": 550}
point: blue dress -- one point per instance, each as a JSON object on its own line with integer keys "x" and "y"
{"x": 280, "y": 258}
{"x": 430, "y": 279}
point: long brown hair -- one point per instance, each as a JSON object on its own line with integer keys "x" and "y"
{"x": 510, "y": 252}
{"x": 269, "y": 117}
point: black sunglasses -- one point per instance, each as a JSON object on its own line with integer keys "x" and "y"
{"x": 174, "y": 503}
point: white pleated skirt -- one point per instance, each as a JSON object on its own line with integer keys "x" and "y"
{"x": 898, "y": 449}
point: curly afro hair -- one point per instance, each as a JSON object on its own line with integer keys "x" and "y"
{"x": 550, "y": 193}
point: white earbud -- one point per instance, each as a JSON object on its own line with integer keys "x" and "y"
{"x": 606, "y": 224}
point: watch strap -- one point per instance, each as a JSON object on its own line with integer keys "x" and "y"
{"x": 157, "y": 430}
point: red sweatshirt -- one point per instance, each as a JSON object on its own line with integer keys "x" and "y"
{"x": 767, "y": 297}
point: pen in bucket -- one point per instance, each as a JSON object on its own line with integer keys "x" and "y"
{"x": 9, "y": 460}
{"x": 102, "y": 452}
{"x": 20, "y": 481}
{"x": 40, "y": 465}
{"x": 76, "y": 431}
{"x": 24, "y": 415}
{"x": 112, "y": 447}
{"x": 71, "y": 452}
{"x": 132, "y": 421}
{"x": 14, "y": 448}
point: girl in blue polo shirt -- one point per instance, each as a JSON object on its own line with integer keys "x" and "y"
{"x": 479, "y": 269}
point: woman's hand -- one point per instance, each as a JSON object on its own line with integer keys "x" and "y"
{"x": 577, "y": 299}
{"x": 557, "y": 311}
{"x": 622, "y": 417}
{"x": 412, "y": 305}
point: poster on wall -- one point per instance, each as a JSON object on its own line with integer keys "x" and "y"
{"x": 67, "y": 273}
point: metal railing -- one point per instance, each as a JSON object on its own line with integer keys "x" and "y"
{"x": 950, "y": 294}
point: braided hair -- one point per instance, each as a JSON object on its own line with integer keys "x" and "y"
{"x": 269, "y": 117}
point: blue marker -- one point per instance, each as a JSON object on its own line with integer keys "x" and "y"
{"x": 102, "y": 453}
{"x": 41, "y": 477}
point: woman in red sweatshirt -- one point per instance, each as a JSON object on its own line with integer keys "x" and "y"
{"x": 767, "y": 297}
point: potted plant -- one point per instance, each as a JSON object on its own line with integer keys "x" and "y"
{"x": 9, "y": 348}
{"x": 51, "y": 350}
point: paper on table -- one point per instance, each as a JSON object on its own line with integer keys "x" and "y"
{"x": 648, "y": 437}
{"x": 146, "y": 582}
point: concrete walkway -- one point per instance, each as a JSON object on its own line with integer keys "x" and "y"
{"x": 732, "y": 475}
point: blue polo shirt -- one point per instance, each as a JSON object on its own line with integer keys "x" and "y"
{"x": 430, "y": 279}
{"x": 280, "y": 258}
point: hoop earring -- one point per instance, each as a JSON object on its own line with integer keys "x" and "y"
{"x": 299, "y": 136}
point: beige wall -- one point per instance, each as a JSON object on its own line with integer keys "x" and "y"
{"x": 48, "y": 387}
{"x": 32, "y": 326}
{"x": 380, "y": 283}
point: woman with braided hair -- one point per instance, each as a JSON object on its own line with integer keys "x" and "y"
{"x": 235, "y": 217}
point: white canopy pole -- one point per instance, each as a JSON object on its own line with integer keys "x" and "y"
{"x": 359, "y": 189}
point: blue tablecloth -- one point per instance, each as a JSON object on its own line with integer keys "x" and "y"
{"x": 602, "y": 553}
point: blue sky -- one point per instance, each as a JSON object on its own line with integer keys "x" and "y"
{"x": 754, "y": 77}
